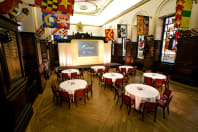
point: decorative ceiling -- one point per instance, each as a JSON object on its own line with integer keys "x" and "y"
{"x": 90, "y": 7}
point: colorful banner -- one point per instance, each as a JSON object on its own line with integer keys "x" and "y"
{"x": 62, "y": 21}
{"x": 183, "y": 13}
{"x": 49, "y": 20}
{"x": 122, "y": 30}
{"x": 60, "y": 32}
{"x": 179, "y": 11}
{"x": 59, "y": 6}
{"x": 186, "y": 14}
{"x": 7, "y": 6}
{"x": 142, "y": 25}
{"x": 109, "y": 34}
{"x": 57, "y": 20}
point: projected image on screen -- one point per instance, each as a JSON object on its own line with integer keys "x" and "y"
{"x": 87, "y": 48}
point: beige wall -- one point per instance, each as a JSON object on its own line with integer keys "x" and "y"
{"x": 95, "y": 30}
{"x": 28, "y": 25}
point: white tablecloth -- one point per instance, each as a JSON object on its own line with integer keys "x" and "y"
{"x": 155, "y": 76}
{"x": 69, "y": 71}
{"x": 113, "y": 76}
{"x": 95, "y": 68}
{"x": 71, "y": 86}
{"x": 126, "y": 67}
{"x": 142, "y": 93}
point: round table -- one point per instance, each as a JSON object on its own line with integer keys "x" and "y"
{"x": 70, "y": 71}
{"x": 113, "y": 76}
{"x": 142, "y": 93}
{"x": 95, "y": 68}
{"x": 126, "y": 67}
{"x": 71, "y": 86}
{"x": 155, "y": 76}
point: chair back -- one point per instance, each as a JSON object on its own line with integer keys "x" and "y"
{"x": 74, "y": 75}
{"x": 117, "y": 68}
{"x": 65, "y": 95}
{"x": 130, "y": 70}
{"x": 126, "y": 78}
{"x": 79, "y": 93}
{"x": 106, "y": 69}
{"x": 55, "y": 91}
{"x": 150, "y": 106}
{"x": 100, "y": 71}
{"x": 53, "y": 86}
{"x": 126, "y": 99}
{"x": 148, "y": 81}
{"x": 90, "y": 85}
{"x": 167, "y": 92}
{"x": 65, "y": 76}
{"x": 81, "y": 72}
{"x": 108, "y": 81}
{"x": 119, "y": 81}
{"x": 159, "y": 82}
{"x": 123, "y": 70}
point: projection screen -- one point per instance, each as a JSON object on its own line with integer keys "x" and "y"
{"x": 87, "y": 48}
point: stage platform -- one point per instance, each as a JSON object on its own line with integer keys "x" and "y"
{"x": 85, "y": 67}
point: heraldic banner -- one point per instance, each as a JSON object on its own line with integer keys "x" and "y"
{"x": 58, "y": 6}
{"x": 109, "y": 34}
{"x": 55, "y": 20}
{"x": 183, "y": 13}
{"x": 122, "y": 30}
{"x": 142, "y": 25}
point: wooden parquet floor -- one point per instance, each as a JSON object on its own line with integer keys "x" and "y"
{"x": 102, "y": 114}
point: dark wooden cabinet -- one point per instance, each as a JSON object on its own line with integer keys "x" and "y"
{"x": 186, "y": 63}
{"x": 31, "y": 64}
{"x": 15, "y": 106}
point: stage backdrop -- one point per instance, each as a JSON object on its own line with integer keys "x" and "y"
{"x": 69, "y": 52}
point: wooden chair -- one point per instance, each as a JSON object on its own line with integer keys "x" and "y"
{"x": 101, "y": 80}
{"x": 56, "y": 93}
{"x": 65, "y": 97}
{"x": 81, "y": 75}
{"x": 127, "y": 101}
{"x": 149, "y": 107}
{"x": 59, "y": 76}
{"x": 106, "y": 69}
{"x": 125, "y": 79}
{"x": 165, "y": 105}
{"x": 74, "y": 75}
{"x": 118, "y": 93}
{"x": 166, "y": 94}
{"x": 159, "y": 83}
{"x": 92, "y": 72}
{"x": 108, "y": 82}
{"x": 123, "y": 70}
{"x": 89, "y": 89}
{"x": 167, "y": 81}
{"x": 79, "y": 94}
{"x": 65, "y": 76}
{"x": 131, "y": 71}
{"x": 148, "y": 81}
{"x": 100, "y": 71}
{"x": 119, "y": 83}
{"x": 117, "y": 68}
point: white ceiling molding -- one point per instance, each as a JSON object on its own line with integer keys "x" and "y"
{"x": 113, "y": 11}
